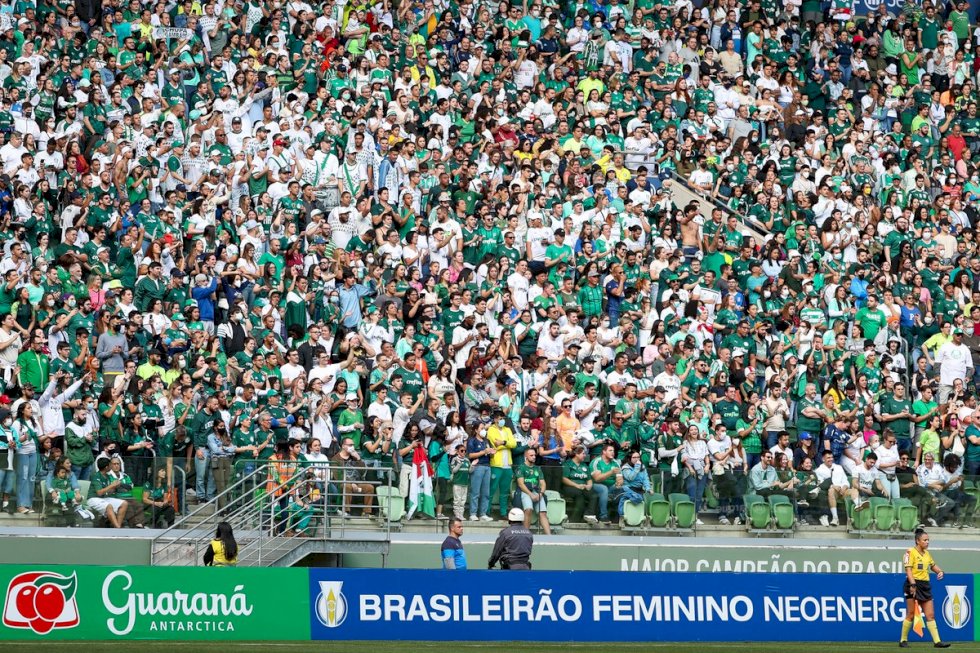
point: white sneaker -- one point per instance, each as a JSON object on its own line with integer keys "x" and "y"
{"x": 698, "y": 522}
{"x": 932, "y": 522}
{"x": 824, "y": 521}
{"x": 864, "y": 505}
{"x": 835, "y": 522}
{"x": 724, "y": 521}
{"x": 486, "y": 518}
{"x": 474, "y": 518}
{"x": 738, "y": 521}
{"x": 591, "y": 519}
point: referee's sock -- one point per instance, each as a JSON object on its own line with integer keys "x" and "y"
{"x": 906, "y": 627}
{"x": 931, "y": 625}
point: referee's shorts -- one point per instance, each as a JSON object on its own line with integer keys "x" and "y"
{"x": 923, "y": 591}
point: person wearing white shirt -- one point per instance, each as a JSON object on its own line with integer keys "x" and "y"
{"x": 519, "y": 285}
{"x": 669, "y": 381}
{"x": 587, "y": 408}
{"x": 292, "y": 369}
{"x": 465, "y": 337}
{"x": 839, "y": 487}
{"x": 550, "y": 343}
{"x": 955, "y": 362}
{"x": 887, "y": 454}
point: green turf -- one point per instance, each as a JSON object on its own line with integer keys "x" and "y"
{"x": 444, "y": 647}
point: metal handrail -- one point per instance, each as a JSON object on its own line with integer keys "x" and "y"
{"x": 742, "y": 217}
{"x": 259, "y": 523}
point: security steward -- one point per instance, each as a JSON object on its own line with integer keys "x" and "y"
{"x": 513, "y": 546}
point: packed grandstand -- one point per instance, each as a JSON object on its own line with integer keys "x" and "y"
{"x": 659, "y": 262}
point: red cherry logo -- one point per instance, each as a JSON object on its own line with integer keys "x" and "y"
{"x": 42, "y": 626}
{"x": 25, "y": 602}
{"x": 49, "y": 602}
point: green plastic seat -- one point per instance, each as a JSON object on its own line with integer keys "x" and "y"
{"x": 659, "y": 510}
{"x": 883, "y": 512}
{"x": 711, "y": 497}
{"x": 859, "y": 521}
{"x": 907, "y": 513}
{"x": 391, "y": 502}
{"x": 757, "y": 511}
{"x": 682, "y": 509}
{"x": 783, "y": 514}
{"x": 557, "y": 508}
{"x": 138, "y": 495}
{"x": 633, "y": 514}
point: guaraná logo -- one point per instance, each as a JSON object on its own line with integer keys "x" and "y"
{"x": 956, "y": 607}
{"x": 331, "y": 606}
{"x": 41, "y": 601}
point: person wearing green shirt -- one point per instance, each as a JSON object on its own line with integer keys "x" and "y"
{"x": 351, "y": 421}
{"x": 199, "y": 429}
{"x": 157, "y": 493}
{"x": 411, "y": 378}
{"x": 530, "y": 482}
{"x": 102, "y": 495}
{"x": 729, "y": 408}
{"x": 810, "y": 417}
{"x": 896, "y": 412}
{"x": 871, "y": 318}
{"x": 607, "y": 481}
{"x": 150, "y": 288}
{"x": 577, "y": 488}
{"x": 78, "y": 444}
{"x": 35, "y": 365}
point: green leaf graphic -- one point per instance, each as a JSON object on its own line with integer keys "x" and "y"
{"x": 67, "y": 585}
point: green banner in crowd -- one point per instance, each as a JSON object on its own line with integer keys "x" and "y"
{"x": 105, "y": 603}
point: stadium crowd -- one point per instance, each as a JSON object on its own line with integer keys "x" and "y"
{"x": 445, "y": 233}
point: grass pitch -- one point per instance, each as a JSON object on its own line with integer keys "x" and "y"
{"x": 444, "y": 647}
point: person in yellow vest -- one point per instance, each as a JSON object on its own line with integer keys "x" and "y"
{"x": 502, "y": 439}
{"x": 918, "y": 563}
{"x": 223, "y": 551}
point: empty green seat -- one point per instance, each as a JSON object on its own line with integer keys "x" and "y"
{"x": 859, "y": 521}
{"x": 757, "y": 511}
{"x": 682, "y": 508}
{"x": 907, "y": 513}
{"x": 711, "y": 497}
{"x": 633, "y": 514}
{"x": 883, "y": 512}
{"x": 391, "y": 502}
{"x": 783, "y": 514}
{"x": 557, "y": 508}
{"x": 659, "y": 510}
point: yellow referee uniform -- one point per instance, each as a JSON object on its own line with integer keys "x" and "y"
{"x": 920, "y": 563}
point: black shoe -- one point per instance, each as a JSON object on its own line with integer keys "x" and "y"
{"x": 903, "y": 645}
{"x": 941, "y": 645}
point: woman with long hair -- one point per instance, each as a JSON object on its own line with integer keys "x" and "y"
{"x": 223, "y": 550}
{"x": 158, "y": 499}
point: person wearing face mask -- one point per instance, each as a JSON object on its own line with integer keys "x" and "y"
{"x": 501, "y": 438}
{"x": 112, "y": 349}
{"x": 233, "y": 333}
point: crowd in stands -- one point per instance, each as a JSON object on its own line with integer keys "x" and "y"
{"x": 442, "y": 237}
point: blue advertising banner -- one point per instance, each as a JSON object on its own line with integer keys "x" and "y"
{"x": 373, "y": 604}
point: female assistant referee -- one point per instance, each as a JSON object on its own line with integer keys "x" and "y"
{"x": 918, "y": 563}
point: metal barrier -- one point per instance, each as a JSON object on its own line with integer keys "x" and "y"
{"x": 272, "y": 516}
